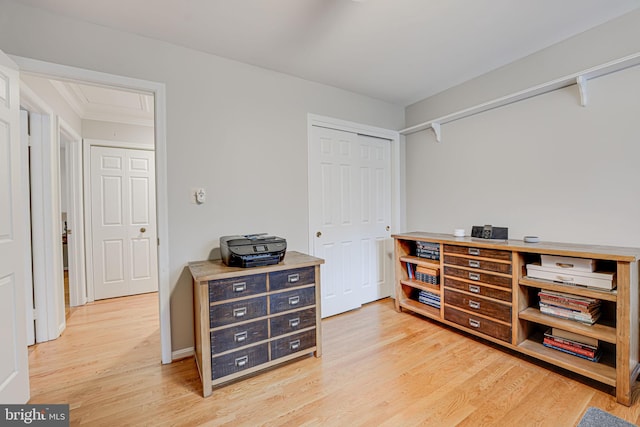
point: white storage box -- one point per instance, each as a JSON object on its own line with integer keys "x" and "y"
{"x": 599, "y": 280}
{"x": 570, "y": 263}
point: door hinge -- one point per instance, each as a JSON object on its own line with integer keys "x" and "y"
{"x": 158, "y": 241}
{"x": 35, "y": 314}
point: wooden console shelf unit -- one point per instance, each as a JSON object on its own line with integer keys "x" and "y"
{"x": 250, "y": 319}
{"x": 483, "y": 289}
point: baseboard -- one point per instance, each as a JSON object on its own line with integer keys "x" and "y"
{"x": 182, "y": 353}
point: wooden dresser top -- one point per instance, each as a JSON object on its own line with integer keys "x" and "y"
{"x": 552, "y": 248}
{"x": 203, "y": 271}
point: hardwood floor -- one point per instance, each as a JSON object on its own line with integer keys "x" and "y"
{"x": 378, "y": 367}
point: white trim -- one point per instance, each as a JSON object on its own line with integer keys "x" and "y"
{"x": 183, "y": 353}
{"x": 48, "y": 277}
{"x": 159, "y": 91}
{"x": 119, "y": 144}
{"x": 75, "y": 215}
{"x": 392, "y": 135}
{"x": 26, "y": 191}
{"x": 88, "y": 237}
{"x": 578, "y": 78}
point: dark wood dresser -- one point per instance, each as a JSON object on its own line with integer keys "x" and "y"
{"x": 249, "y": 319}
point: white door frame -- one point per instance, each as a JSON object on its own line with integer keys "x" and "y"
{"x": 75, "y": 215}
{"x": 347, "y": 126}
{"x": 64, "y": 72}
{"x": 46, "y": 238}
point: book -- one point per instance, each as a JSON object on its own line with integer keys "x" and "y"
{"x": 561, "y": 333}
{"x": 592, "y": 359}
{"x": 588, "y": 318}
{"x": 581, "y": 351}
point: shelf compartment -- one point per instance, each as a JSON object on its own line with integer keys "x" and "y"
{"x": 603, "y": 371}
{"x": 418, "y": 307}
{"x": 434, "y": 289}
{"x": 599, "y": 331}
{"x": 569, "y": 289}
{"x": 424, "y": 262}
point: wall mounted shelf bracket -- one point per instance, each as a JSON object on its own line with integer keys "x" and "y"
{"x": 581, "y": 81}
{"x": 436, "y": 130}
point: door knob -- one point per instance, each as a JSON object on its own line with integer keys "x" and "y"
{"x": 387, "y": 228}
{"x": 318, "y": 233}
{"x": 142, "y": 230}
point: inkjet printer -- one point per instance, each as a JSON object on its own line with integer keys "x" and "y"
{"x": 252, "y": 250}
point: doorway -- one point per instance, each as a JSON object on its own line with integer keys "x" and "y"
{"x": 65, "y": 73}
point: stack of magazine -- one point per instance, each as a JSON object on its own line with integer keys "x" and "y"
{"x": 428, "y": 298}
{"x": 568, "y": 306}
{"x": 428, "y": 250}
{"x": 571, "y": 343}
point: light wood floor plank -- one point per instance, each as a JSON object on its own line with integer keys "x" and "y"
{"x": 379, "y": 367}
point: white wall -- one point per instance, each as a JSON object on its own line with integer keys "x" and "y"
{"x": 45, "y": 91}
{"x": 545, "y": 166}
{"x": 615, "y": 39}
{"x": 237, "y": 130}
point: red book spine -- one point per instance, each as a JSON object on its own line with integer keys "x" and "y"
{"x": 582, "y": 351}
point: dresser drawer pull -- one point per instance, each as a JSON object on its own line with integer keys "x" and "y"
{"x": 294, "y": 345}
{"x": 240, "y": 287}
{"x": 294, "y": 300}
{"x": 239, "y": 312}
{"x": 240, "y": 336}
{"x": 474, "y": 251}
{"x": 241, "y": 361}
{"x": 294, "y": 323}
{"x": 475, "y": 289}
{"x": 474, "y": 276}
{"x": 474, "y": 304}
{"x": 474, "y": 323}
{"x": 293, "y": 278}
{"x": 474, "y": 264}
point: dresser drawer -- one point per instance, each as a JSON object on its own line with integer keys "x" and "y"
{"x": 291, "y": 322}
{"x": 476, "y": 323}
{"x": 289, "y": 278}
{"x": 478, "y": 304}
{"x": 239, "y": 336}
{"x": 479, "y": 252}
{"x": 478, "y": 263}
{"x": 292, "y": 344}
{"x": 292, "y": 300}
{"x": 478, "y": 288}
{"x": 237, "y": 287}
{"x": 221, "y": 366}
{"x": 237, "y": 311}
{"x": 478, "y": 276}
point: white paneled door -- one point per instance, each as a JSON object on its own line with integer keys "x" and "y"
{"x": 14, "y": 374}
{"x": 123, "y": 222}
{"x": 350, "y": 215}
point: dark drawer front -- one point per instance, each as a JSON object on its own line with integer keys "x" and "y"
{"x": 501, "y": 294}
{"x": 292, "y": 300}
{"x": 291, "y": 322}
{"x": 289, "y": 278}
{"x": 240, "y": 360}
{"x": 293, "y": 344}
{"x": 238, "y": 311}
{"x": 481, "y": 252}
{"x": 239, "y": 336}
{"x": 479, "y": 264}
{"x": 478, "y": 304}
{"x": 223, "y": 289}
{"x": 478, "y": 276}
{"x": 469, "y": 321}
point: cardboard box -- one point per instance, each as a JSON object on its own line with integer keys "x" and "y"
{"x": 569, "y": 263}
{"x": 599, "y": 280}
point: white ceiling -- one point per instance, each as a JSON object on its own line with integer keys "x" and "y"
{"x": 107, "y": 104}
{"x": 399, "y": 51}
